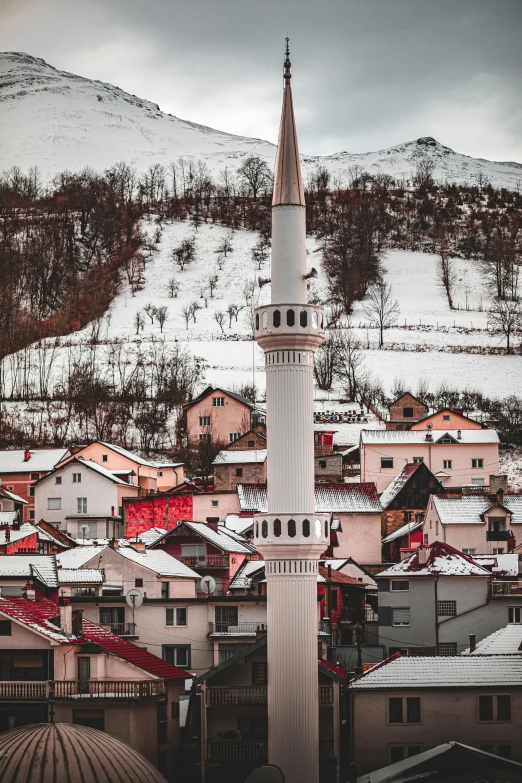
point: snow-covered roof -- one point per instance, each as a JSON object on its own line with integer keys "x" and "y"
{"x": 35, "y": 615}
{"x": 359, "y": 498}
{"x": 403, "y": 530}
{"x": 102, "y": 471}
{"x": 129, "y": 455}
{"x": 25, "y": 531}
{"x": 220, "y": 538}
{"x": 400, "y": 672}
{"x": 68, "y": 576}
{"x": 237, "y": 524}
{"x": 504, "y": 564}
{"x": 505, "y": 641}
{"x": 443, "y": 560}
{"x": 75, "y": 558}
{"x": 242, "y": 579}
{"x": 398, "y": 483}
{"x": 40, "y": 461}
{"x": 240, "y": 457}
{"x": 8, "y": 517}
{"x": 466, "y": 509}
{"x": 8, "y": 495}
{"x": 43, "y": 567}
{"x": 160, "y": 562}
{"x": 390, "y": 437}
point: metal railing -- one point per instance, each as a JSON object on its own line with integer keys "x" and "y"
{"x": 82, "y": 689}
{"x": 499, "y": 588}
{"x": 498, "y": 535}
{"x": 120, "y": 629}
{"x": 236, "y": 750}
{"x": 218, "y": 591}
{"x": 237, "y": 629}
{"x": 204, "y": 561}
{"x": 237, "y": 694}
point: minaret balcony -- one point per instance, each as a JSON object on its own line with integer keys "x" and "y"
{"x": 291, "y": 535}
{"x": 299, "y": 326}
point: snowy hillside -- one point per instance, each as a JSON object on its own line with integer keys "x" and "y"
{"x": 57, "y": 120}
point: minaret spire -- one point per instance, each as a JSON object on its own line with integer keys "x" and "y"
{"x": 288, "y": 181}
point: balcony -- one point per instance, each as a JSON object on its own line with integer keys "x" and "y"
{"x": 249, "y": 750}
{"x": 121, "y": 629}
{"x": 498, "y": 535}
{"x": 254, "y": 694}
{"x": 204, "y": 561}
{"x": 507, "y": 589}
{"x": 240, "y": 629}
{"x": 63, "y": 690}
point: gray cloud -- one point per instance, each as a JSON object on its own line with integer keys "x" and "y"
{"x": 367, "y": 74}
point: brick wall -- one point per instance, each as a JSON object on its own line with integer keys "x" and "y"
{"x": 393, "y": 519}
{"x": 141, "y": 514}
{"x": 225, "y": 475}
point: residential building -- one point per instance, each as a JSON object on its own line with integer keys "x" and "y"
{"x": 505, "y": 641}
{"x": 430, "y": 602}
{"x": 402, "y": 541}
{"x": 234, "y": 716}
{"x": 447, "y": 418}
{"x": 356, "y": 506}
{"x": 18, "y": 538}
{"x": 237, "y": 467}
{"x": 20, "y": 468}
{"x": 476, "y": 524}
{"x": 11, "y": 503}
{"x": 408, "y": 705}
{"x": 83, "y": 498}
{"x": 455, "y": 457}
{"x": 253, "y": 439}
{"x": 406, "y": 498}
{"x": 31, "y": 573}
{"x": 59, "y": 666}
{"x": 404, "y": 411}
{"x": 220, "y": 415}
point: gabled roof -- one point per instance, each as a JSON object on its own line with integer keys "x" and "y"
{"x": 396, "y": 437}
{"x": 505, "y": 564}
{"x": 505, "y": 641}
{"x": 443, "y": 560}
{"x": 25, "y": 531}
{"x": 40, "y": 461}
{"x": 398, "y": 483}
{"x": 220, "y": 538}
{"x": 87, "y": 463}
{"x": 238, "y": 524}
{"x": 399, "y": 672}
{"x": 338, "y": 578}
{"x": 128, "y": 454}
{"x": 211, "y": 389}
{"x": 50, "y": 532}
{"x": 8, "y": 495}
{"x": 41, "y": 567}
{"x": 76, "y": 576}
{"x": 407, "y": 394}
{"x": 403, "y": 530}
{"x": 240, "y": 457}
{"x": 158, "y": 561}
{"x": 467, "y": 509}
{"x": 359, "y": 498}
{"x": 242, "y": 579}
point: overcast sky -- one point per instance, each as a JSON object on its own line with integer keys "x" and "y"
{"x": 367, "y": 74}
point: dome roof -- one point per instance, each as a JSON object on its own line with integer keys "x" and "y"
{"x": 63, "y": 753}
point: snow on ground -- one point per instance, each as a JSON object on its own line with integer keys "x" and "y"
{"x": 510, "y": 462}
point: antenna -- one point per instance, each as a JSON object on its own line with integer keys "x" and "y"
{"x": 84, "y": 529}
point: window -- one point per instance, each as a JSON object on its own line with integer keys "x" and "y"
{"x": 113, "y": 616}
{"x": 54, "y": 504}
{"x": 214, "y": 503}
{"x": 447, "y": 648}
{"x": 322, "y": 464}
{"x": 498, "y": 750}
{"x": 277, "y": 319}
{"x": 290, "y": 318}
{"x": 239, "y": 472}
{"x": 469, "y": 551}
{"x": 232, "y": 436}
{"x": 251, "y": 443}
{"x": 205, "y": 436}
{"x": 82, "y": 505}
{"x": 446, "y": 463}
{"x": 5, "y": 627}
{"x": 292, "y": 528}
{"x": 218, "y": 402}
{"x": 446, "y": 608}
{"x": 176, "y": 616}
{"x": 35, "y": 476}
{"x": 401, "y": 752}
{"x": 446, "y": 418}
{"x": 303, "y": 319}
{"x": 204, "y": 421}
{"x": 31, "y": 491}
{"x": 495, "y": 708}
{"x": 259, "y": 673}
{"x": 477, "y": 482}
{"x": 477, "y": 463}
{"x": 138, "y": 583}
{"x": 58, "y": 480}
{"x": 31, "y": 514}
{"x": 105, "y": 458}
{"x": 515, "y": 614}
{"x": 418, "y": 459}
{"x": 498, "y": 551}
{"x": 386, "y": 462}
{"x": 77, "y": 478}
{"x": 164, "y": 589}
{"x": 404, "y": 709}
{"x": 400, "y": 584}
{"x": 177, "y": 655}
{"x": 407, "y": 413}
{"x": 401, "y": 616}
{"x": 226, "y": 616}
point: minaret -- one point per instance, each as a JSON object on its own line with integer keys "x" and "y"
{"x": 291, "y": 536}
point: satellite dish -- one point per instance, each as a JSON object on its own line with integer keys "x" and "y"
{"x": 268, "y": 773}
{"x": 84, "y": 529}
{"x": 134, "y": 598}
{"x": 207, "y": 585}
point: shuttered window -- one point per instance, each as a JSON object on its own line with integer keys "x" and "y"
{"x": 401, "y": 616}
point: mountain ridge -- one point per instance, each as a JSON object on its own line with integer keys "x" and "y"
{"x": 61, "y": 121}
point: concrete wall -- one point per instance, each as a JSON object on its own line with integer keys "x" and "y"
{"x": 420, "y": 598}
{"x": 227, "y": 503}
{"x": 360, "y": 538}
{"x": 101, "y": 494}
{"x": 445, "y": 715}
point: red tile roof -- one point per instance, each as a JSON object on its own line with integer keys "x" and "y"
{"x": 332, "y": 668}
{"x": 338, "y": 578}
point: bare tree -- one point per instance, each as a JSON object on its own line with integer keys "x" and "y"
{"x": 248, "y": 291}
{"x": 139, "y": 321}
{"x": 232, "y": 311}
{"x": 173, "y": 287}
{"x": 505, "y": 317}
{"x": 224, "y": 247}
{"x": 381, "y": 308}
{"x": 220, "y": 261}
{"x": 162, "y": 315}
{"x": 255, "y": 174}
{"x": 350, "y": 362}
{"x": 219, "y": 317}
{"x": 445, "y": 264}
{"x": 194, "y": 307}
{"x": 186, "y": 312}
{"x": 151, "y": 311}
{"x": 212, "y": 284}
{"x": 326, "y": 362}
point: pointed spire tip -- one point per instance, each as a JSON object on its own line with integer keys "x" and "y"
{"x": 287, "y": 64}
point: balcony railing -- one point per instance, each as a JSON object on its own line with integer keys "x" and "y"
{"x": 81, "y": 689}
{"x": 239, "y": 629}
{"x": 120, "y": 629}
{"x": 217, "y": 592}
{"x": 237, "y": 694}
{"x": 236, "y": 750}
{"x": 204, "y": 561}
{"x": 498, "y": 588}
{"x": 498, "y": 535}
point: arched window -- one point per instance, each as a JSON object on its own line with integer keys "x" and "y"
{"x": 306, "y": 528}
{"x": 257, "y": 320}
{"x": 277, "y": 528}
{"x": 265, "y": 320}
{"x": 257, "y": 529}
{"x": 291, "y": 528}
{"x": 317, "y": 528}
{"x": 264, "y": 528}
{"x": 315, "y": 320}
{"x": 325, "y": 528}
{"x": 303, "y": 318}
{"x": 290, "y": 318}
{"x": 277, "y": 318}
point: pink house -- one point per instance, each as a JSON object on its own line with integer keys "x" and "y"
{"x": 220, "y": 416}
{"x": 456, "y": 457}
{"x": 449, "y": 419}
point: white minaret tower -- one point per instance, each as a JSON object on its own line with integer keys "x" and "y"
{"x": 291, "y": 536}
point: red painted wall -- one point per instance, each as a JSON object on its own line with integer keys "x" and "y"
{"x": 155, "y": 511}
{"x": 29, "y": 544}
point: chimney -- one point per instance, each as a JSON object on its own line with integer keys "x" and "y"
{"x": 112, "y": 511}
{"x": 472, "y": 642}
{"x": 213, "y": 523}
{"x": 498, "y": 482}
{"x": 27, "y": 455}
{"x": 459, "y": 434}
{"x": 422, "y": 554}
{"x": 66, "y": 617}
{"x": 139, "y": 546}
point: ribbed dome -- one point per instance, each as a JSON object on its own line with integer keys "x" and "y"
{"x": 63, "y": 753}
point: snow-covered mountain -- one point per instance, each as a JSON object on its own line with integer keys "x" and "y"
{"x": 57, "y": 120}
